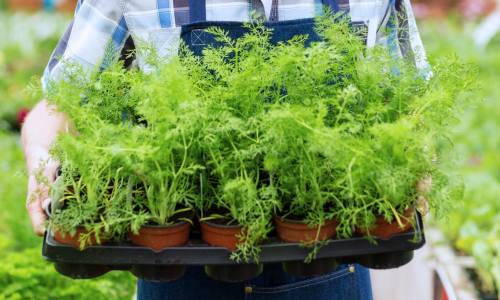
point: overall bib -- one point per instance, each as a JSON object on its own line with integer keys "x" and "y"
{"x": 347, "y": 282}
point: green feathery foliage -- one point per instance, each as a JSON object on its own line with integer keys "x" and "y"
{"x": 334, "y": 130}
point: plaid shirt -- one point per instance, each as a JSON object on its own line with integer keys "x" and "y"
{"x": 96, "y": 23}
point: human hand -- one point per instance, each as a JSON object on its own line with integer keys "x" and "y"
{"x": 39, "y": 130}
{"x": 38, "y": 196}
{"x": 425, "y": 186}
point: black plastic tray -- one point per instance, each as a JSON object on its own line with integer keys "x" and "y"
{"x": 170, "y": 263}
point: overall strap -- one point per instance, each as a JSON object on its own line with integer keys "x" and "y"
{"x": 198, "y": 9}
{"x": 333, "y": 4}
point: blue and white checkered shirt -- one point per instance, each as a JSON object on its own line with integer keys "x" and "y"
{"x": 97, "y": 22}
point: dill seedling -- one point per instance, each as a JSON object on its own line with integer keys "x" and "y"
{"x": 336, "y": 130}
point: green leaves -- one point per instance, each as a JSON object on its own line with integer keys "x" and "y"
{"x": 335, "y": 130}
{"x": 23, "y": 275}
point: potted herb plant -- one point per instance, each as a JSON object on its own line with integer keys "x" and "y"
{"x": 167, "y": 171}
{"x": 319, "y": 138}
{"x": 393, "y": 131}
{"x": 88, "y": 192}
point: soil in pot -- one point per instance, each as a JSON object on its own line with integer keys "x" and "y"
{"x": 219, "y": 232}
{"x": 66, "y": 238}
{"x": 386, "y": 230}
{"x": 158, "y": 237}
{"x": 292, "y": 228}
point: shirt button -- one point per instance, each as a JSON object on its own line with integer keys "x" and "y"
{"x": 248, "y": 289}
{"x": 351, "y": 269}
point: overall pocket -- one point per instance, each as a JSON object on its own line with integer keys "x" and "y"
{"x": 339, "y": 285}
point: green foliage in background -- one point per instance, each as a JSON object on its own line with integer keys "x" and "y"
{"x": 24, "y": 274}
{"x": 342, "y": 134}
{"x": 25, "y": 47}
{"x": 23, "y": 271}
{"x": 15, "y": 227}
{"x": 474, "y": 227}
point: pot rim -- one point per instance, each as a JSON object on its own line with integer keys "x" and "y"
{"x": 59, "y": 171}
{"x": 415, "y": 202}
{"x": 218, "y": 225}
{"x": 47, "y": 211}
{"x": 294, "y": 221}
{"x": 183, "y": 222}
{"x": 275, "y": 215}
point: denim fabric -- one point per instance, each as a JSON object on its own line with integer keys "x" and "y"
{"x": 194, "y": 36}
{"x": 197, "y": 39}
{"x": 273, "y": 284}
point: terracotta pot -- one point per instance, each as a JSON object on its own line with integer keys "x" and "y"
{"x": 385, "y": 230}
{"x": 221, "y": 235}
{"x": 159, "y": 237}
{"x": 73, "y": 240}
{"x": 293, "y": 231}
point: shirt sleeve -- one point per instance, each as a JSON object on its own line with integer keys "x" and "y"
{"x": 409, "y": 42}
{"x": 97, "y": 27}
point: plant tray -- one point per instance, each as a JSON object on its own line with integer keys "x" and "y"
{"x": 170, "y": 263}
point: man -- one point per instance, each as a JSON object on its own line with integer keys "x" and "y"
{"x": 98, "y": 22}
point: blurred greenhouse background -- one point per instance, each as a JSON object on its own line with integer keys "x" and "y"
{"x": 30, "y": 30}
{"x": 27, "y": 40}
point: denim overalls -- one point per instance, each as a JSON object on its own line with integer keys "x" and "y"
{"x": 347, "y": 282}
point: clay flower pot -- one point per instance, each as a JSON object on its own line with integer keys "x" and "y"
{"x": 73, "y": 240}
{"x": 385, "y": 230}
{"x": 221, "y": 235}
{"x": 294, "y": 231}
{"x": 159, "y": 237}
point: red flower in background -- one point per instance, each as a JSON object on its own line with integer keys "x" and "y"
{"x": 21, "y": 115}
{"x": 421, "y": 10}
{"x": 473, "y": 9}
{"x": 470, "y": 9}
